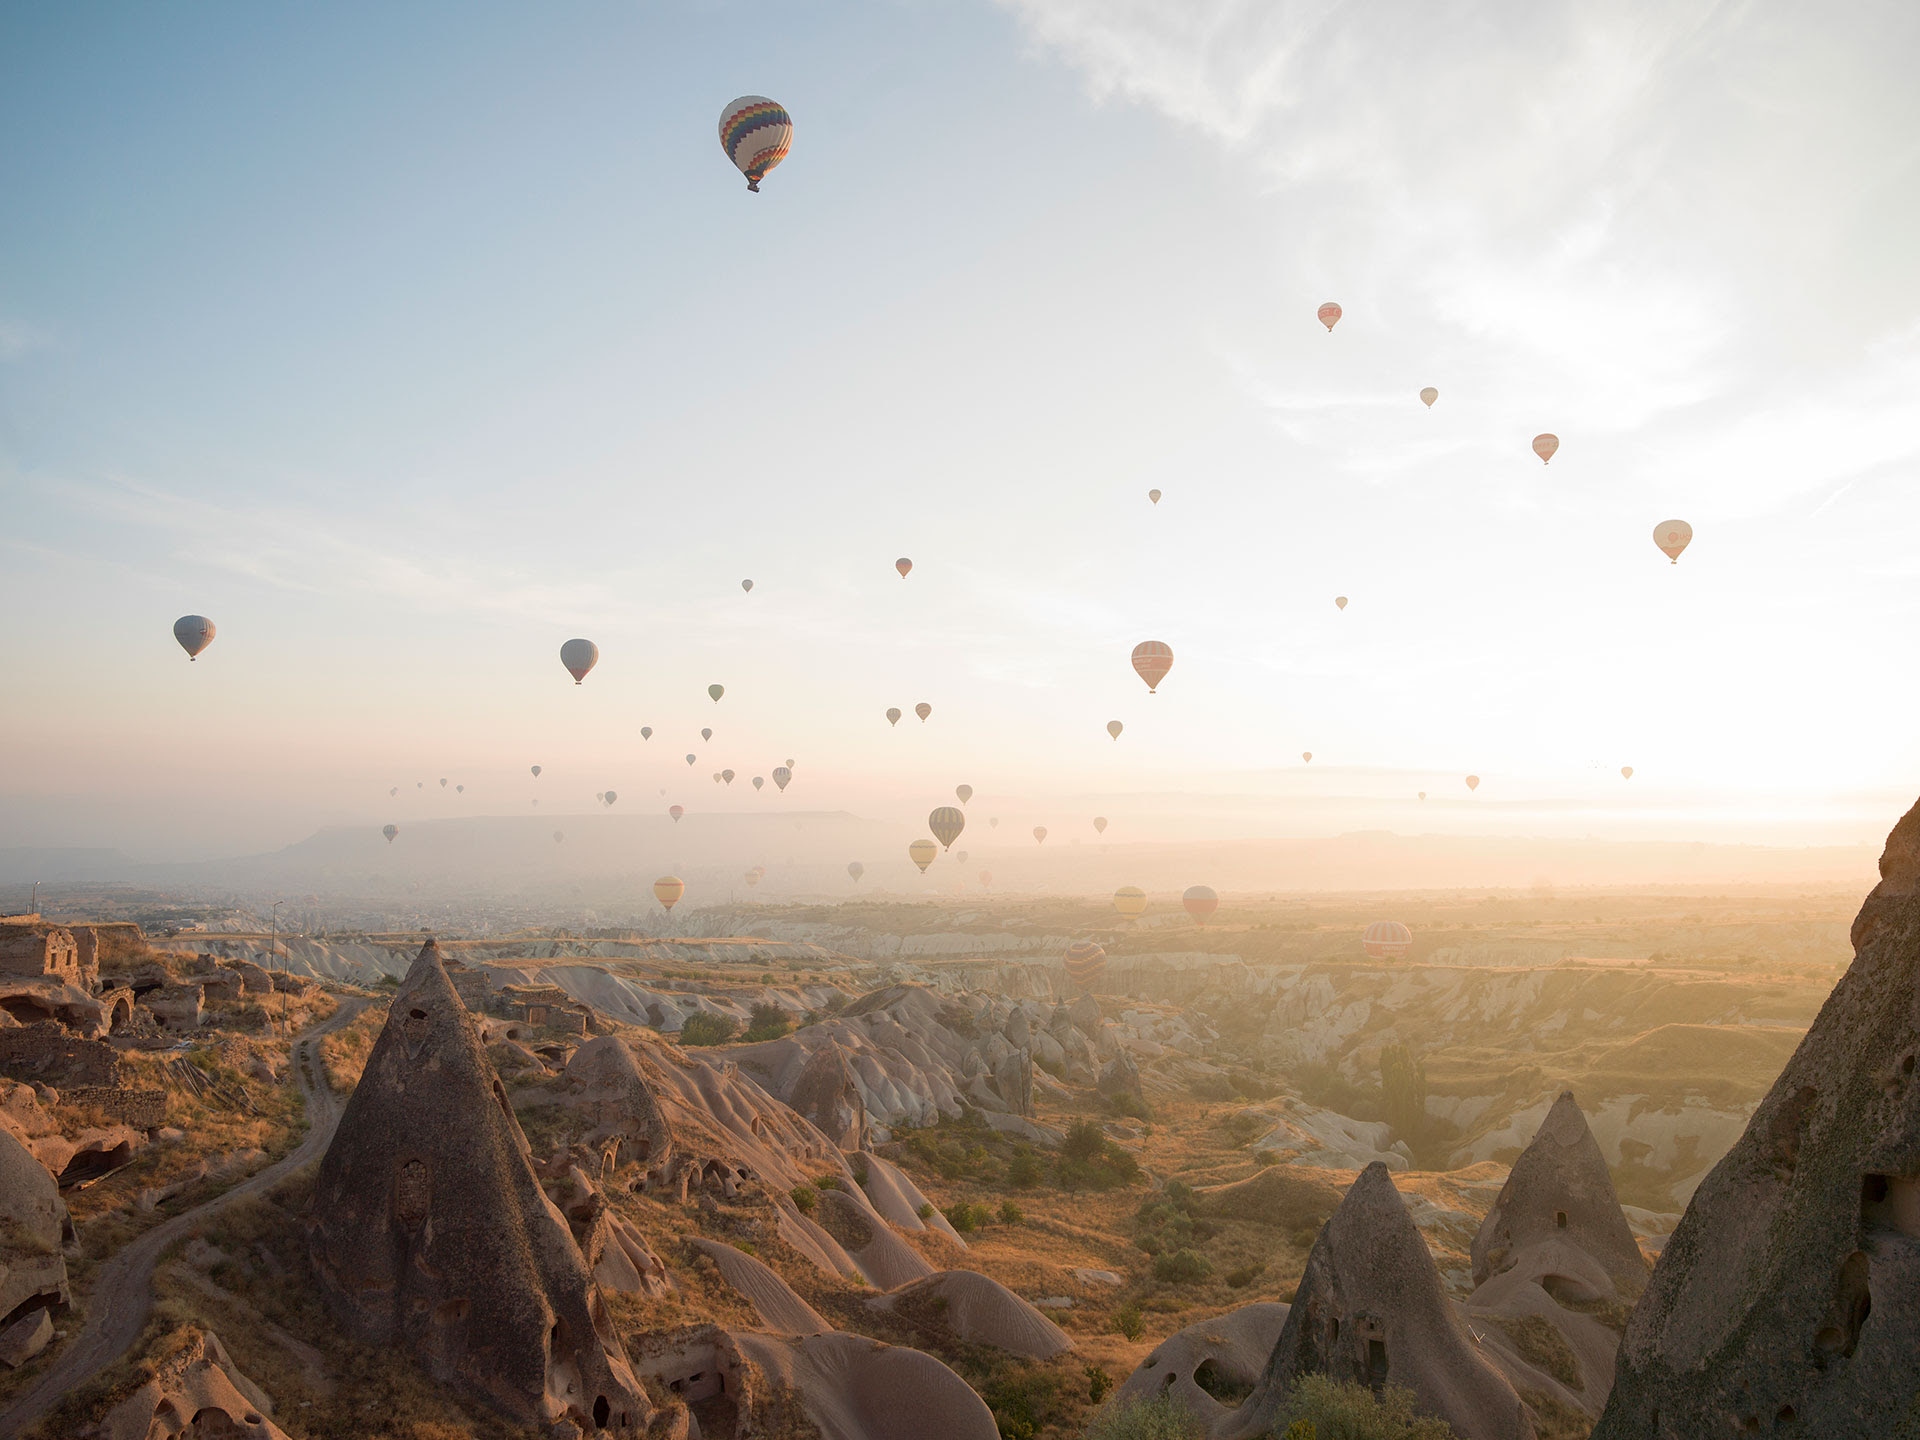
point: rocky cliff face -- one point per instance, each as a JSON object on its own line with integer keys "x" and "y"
{"x": 1788, "y": 1300}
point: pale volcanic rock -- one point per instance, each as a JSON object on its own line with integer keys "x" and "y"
{"x": 430, "y": 1231}
{"x": 33, "y": 1224}
{"x": 605, "y": 1082}
{"x": 816, "y": 1081}
{"x": 899, "y": 1201}
{"x": 981, "y": 1310}
{"x": 854, "y": 1388}
{"x": 1788, "y": 1298}
{"x": 196, "y": 1391}
{"x": 1231, "y": 1349}
{"x": 780, "y": 1309}
{"x": 1370, "y": 1309}
{"x": 885, "y": 1260}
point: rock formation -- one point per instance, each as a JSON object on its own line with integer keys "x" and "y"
{"x": 607, "y": 1084}
{"x": 1788, "y": 1299}
{"x": 982, "y": 1311}
{"x": 1227, "y": 1352}
{"x": 1370, "y": 1309}
{"x": 33, "y": 1225}
{"x": 1120, "y": 1076}
{"x": 196, "y": 1391}
{"x": 824, "y": 1092}
{"x": 429, "y": 1228}
{"x": 854, "y": 1388}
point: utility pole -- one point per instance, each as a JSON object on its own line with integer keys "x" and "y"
{"x": 34, "y": 908}
{"x": 273, "y": 948}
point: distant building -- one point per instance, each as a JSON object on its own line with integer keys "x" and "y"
{"x": 544, "y": 1005}
{"x": 31, "y": 949}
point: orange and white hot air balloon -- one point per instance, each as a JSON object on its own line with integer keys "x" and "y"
{"x": 1329, "y": 314}
{"x": 1428, "y": 396}
{"x": 1151, "y": 661}
{"x": 668, "y": 889}
{"x": 1039, "y": 834}
{"x": 1086, "y": 962}
{"x": 1200, "y": 902}
{"x": 1473, "y": 782}
{"x": 922, "y": 853}
{"x": 1544, "y": 446}
{"x": 903, "y": 565}
{"x": 946, "y": 823}
{"x": 1673, "y": 536}
{"x": 1307, "y": 755}
{"x": 1386, "y": 940}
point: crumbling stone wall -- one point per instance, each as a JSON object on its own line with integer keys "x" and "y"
{"x": 142, "y": 1109}
{"x": 36, "y": 952}
{"x": 50, "y": 1054}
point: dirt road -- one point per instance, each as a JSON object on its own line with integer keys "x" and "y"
{"x": 122, "y": 1290}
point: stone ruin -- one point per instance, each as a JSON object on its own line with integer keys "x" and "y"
{"x": 197, "y": 1391}
{"x": 429, "y": 1229}
{"x": 1788, "y": 1299}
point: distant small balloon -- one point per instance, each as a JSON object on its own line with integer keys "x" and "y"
{"x": 1329, "y": 314}
{"x": 903, "y": 565}
{"x": 676, "y": 811}
{"x": 600, "y": 796}
{"x": 1673, "y": 536}
{"x": 389, "y": 831}
{"x": 1130, "y": 901}
{"x": 1151, "y": 661}
{"x": 986, "y": 878}
{"x": 1307, "y": 755}
{"x": 716, "y": 777}
{"x": 691, "y": 758}
{"x": 394, "y": 791}
{"x": 646, "y": 732}
{"x": 893, "y": 715}
{"x": 781, "y": 775}
{"x": 747, "y": 585}
{"x": 922, "y": 853}
{"x": 1423, "y": 794}
{"x": 706, "y": 732}
{"x": 1154, "y": 496}
{"x": 1544, "y": 446}
{"x": 1039, "y": 834}
{"x": 1626, "y": 772}
{"x": 946, "y": 823}
{"x": 1340, "y": 601}
{"x": 668, "y": 889}
{"x": 753, "y": 877}
{"x": 727, "y": 775}
{"x": 993, "y": 822}
{"x": 1200, "y": 902}
{"x": 1428, "y": 396}
{"x": 965, "y": 792}
{"x": 758, "y": 781}
{"x": 536, "y": 772}
{"x": 1473, "y": 782}
{"x": 195, "y": 633}
{"x": 459, "y": 789}
{"x": 558, "y": 836}
{"x": 961, "y": 856}
{"x": 1114, "y": 727}
{"x": 612, "y": 795}
{"x": 1099, "y": 824}
{"x": 856, "y": 870}
{"x": 579, "y": 656}
{"x": 716, "y": 691}
{"x": 923, "y": 710}
{"x": 443, "y": 784}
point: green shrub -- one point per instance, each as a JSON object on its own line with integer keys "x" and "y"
{"x": 1085, "y": 1139}
{"x": 1025, "y": 1170}
{"x": 805, "y": 1197}
{"x": 860, "y": 1173}
{"x": 705, "y": 1028}
{"x": 1099, "y": 1383}
{"x": 1131, "y": 1105}
{"x": 925, "y": 1212}
{"x": 768, "y": 1022}
{"x": 1161, "y": 1418}
{"x": 1181, "y": 1267}
{"x": 1245, "y": 1276}
{"x": 1264, "y": 1158}
{"x": 1341, "y": 1410}
{"x": 966, "y": 1218}
{"x": 1128, "y": 1322}
{"x": 1011, "y": 1214}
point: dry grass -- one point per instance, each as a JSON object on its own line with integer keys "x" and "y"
{"x": 344, "y": 1053}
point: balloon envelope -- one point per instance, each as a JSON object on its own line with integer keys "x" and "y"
{"x": 706, "y": 732}
{"x": 389, "y": 831}
{"x": 691, "y": 758}
{"x": 668, "y": 889}
{"x": 1200, "y": 902}
{"x": 965, "y": 792}
{"x": 923, "y": 710}
{"x": 1099, "y": 824}
{"x": 1130, "y": 901}
{"x": 747, "y": 585}
{"x": 612, "y": 795}
{"x": 536, "y": 772}
{"x": 856, "y": 870}
{"x": 1386, "y": 940}
{"x": 1626, "y": 772}
{"x": 646, "y": 732}
{"x": 195, "y": 633}
{"x": 946, "y": 823}
{"x": 1340, "y": 601}
{"x": 676, "y": 811}
{"x": 986, "y": 877}
{"x": 758, "y": 781}
{"x": 781, "y": 775}
{"x": 1473, "y": 782}
{"x": 579, "y": 656}
{"x": 756, "y": 133}
{"x": 1307, "y": 755}
{"x": 1039, "y": 834}
{"x": 1428, "y": 396}
{"x": 1329, "y": 314}
{"x": 1154, "y": 496}
{"x": 922, "y": 853}
{"x": 1151, "y": 661}
{"x": 903, "y": 565}
{"x": 1114, "y": 727}
{"x": 558, "y": 836}
{"x": 727, "y": 775}
{"x": 1673, "y": 536}
{"x": 893, "y": 715}
{"x": 1544, "y": 446}
{"x": 1086, "y": 963}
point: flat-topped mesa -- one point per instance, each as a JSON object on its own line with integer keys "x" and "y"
{"x": 1788, "y": 1299}
{"x": 1370, "y": 1309}
{"x": 429, "y": 1228}
{"x": 1560, "y": 1193}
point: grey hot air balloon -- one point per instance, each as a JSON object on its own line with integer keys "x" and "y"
{"x": 747, "y": 585}
{"x": 536, "y": 772}
{"x": 706, "y": 733}
{"x": 612, "y": 796}
{"x": 646, "y": 732}
{"x": 389, "y": 831}
{"x": 856, "y": 870}
{"x": 579, "y": 656}
{"x": 781, "y": 775}
{"x": 965, "y": 792}
{"x": 195, "y": 633}
{"x": 758, "y": 781}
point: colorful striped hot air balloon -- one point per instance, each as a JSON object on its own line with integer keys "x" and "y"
{"x": 195, "y": 633}
{"x": 1386, "y": 940}
{"x": 1673, "y": 536}
{"x": 1130, "y": 901}
{"x": 1086, "y": 963}
{"x": 1329, "y": 314}
{"x": 668, "y": 889}
{"x": 1151, "y": 661}
{"x": 1200, "y": 902}
{"x": 756, "y": 133}
{"x": 1544, "y": 446}
{"x": 922, "y": 852}
{"x": 946, "y": 823}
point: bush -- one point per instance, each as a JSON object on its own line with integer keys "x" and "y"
{"x": 1025, "y": 1171}
{"x": 768, "y": 1022}
{"x": 705, "y": 1028}
{"x": 1085, "y": 1139}
{"x": 1099, "y": 1382}
{"x": 1011, "y": 1214}
{"x": 1131, "y": 1105}
{"x": 1181, "y": 1267}
{"x": 1127, "y": 1321}
{"x": 965, "y": 1218}
{"x": 860, "y": 1173}
{"x": 1245, "y": 1276}
{"x": 1090, "y": 1161}
{"x": 1161, "y": 1418}
{"x": 1324, "y": 1409}
{"x": 925, "y": 1212}
{"x": 805, "y": 1197}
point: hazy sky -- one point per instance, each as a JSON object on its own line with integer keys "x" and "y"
{"x": 407, "y": 342}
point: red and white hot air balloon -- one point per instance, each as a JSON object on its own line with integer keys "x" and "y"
{"x": 579, "y": 656}
{"x": 1151, "y": 661}
{"x": 1200, "y": 902}
{"x": 1544, "y": 446}
{"x": 1386, "y": 940}
{"x": 1329, "y": 314}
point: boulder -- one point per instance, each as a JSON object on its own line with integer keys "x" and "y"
{"x": 825, "y": 1092}
{"x": 33, "y": 1226}
{"x": 199, "y": 1391}
{"x": 1229, "y": 1350}
{"x": 1019, "y": 1034}
{"x": 1013, "y": 1078}
{"x": 1788, "y": 1297}
{"x": 1085, "y": 1014}
{"x": 25, "y": 1338}
{"x": 429, "y": 1230}
{"x": 1120, "y": 1076}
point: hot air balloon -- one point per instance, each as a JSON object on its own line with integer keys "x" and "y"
{"x": 1151, "y": 661}
{"x": 903, "y": 565}
{"x": 195, "y": 633}
{"x": 536, "y": 772}
{"x": 459, "y": 789}
{"x": 923, "y": 710}
{"x": 1423, "y": 794}
{"x": 1544, "y": 446}
{"x": 758, "y": 781}
{"x": 993, "y": 822}
{"x": 1154, "y": 496}
{"x": 1329, "y": 314}
{"x": 965, "y": 792}
{"x": 716, "y": 777}
{"x": 781, "y": 775}
{"x": 1130, "y": 901}
{"x": 1200, "y": 902}
{"x": 691, "y": 758}
{"x": 668, "y": 889}
{"x": 646, "y": 732}
{"x": 1114, "y": 727}
{"x": 579, "y": 656}
{"x": 960, "y": 856}
{"x": 1473, "y": 782}
{"x": 727, "y": 775}
{"x": 986, "y": 878}
{"x": 1039, "y": 834}
{"x": 856, "y": 870}
{"x": 1086, "y": 963}
{"x": 922, "y": 853}
{"x": 946, "y": 823}
{"x": 394, "y": 791}
{"x": 1099, "y": 824}
{"x": 706, "y": 733}
{"x": 756, "y": 133}
{"x": 716, "y": 691}
{"x": 443, "y": 783}
{"x": 1626, "y": 772}
{"x": 1340, "y": 601}
{"x": 1428, "y": 396}
{"x": 419, "y": 784}
{"x": 1386, "y": 940}
{"x": 389, "y": 831}
{"x": 1307, "y": 755}
{"x": 753, "y": 877}
{"x": 676, "y": 811}
{"x": 747, "y": 585}
{"x": 893, "y": 715}
{"x": 612, "y": 795}
{"x": 558, "y": 836}
{"x": 1673, "y": 536}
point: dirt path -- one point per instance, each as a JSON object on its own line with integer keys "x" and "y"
{"x": 122, "y": 1291}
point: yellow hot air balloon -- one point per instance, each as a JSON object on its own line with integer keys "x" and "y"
{"x": 923, "y": 710}
{"x": 1130, "y": 901}
{"x": 946, "y": 823}
{"x": 965, "y": 792}
{"x": 922, "y": 853}
{"x": 1544, "y": 446}
{"x": 1039, "y": 834}
{"x": 903, "y": 565}
{"x": 1329, "y": 314}
{"x": 1099, "y": 824}
{"x": 1200, "y": 902}
{"x": 1152, "y": 659}
{"x": 1473, "y": 782}
{"x": 1428, "y": 396}
{"x": 1673, "y": 536}
{"x": 1114, "y": 727}
{"x": 668, "y": 889}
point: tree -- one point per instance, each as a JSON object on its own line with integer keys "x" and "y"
{"x": 1403, "y": 1083}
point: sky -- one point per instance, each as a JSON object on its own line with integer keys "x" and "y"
{"x": 408, "y": 342}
